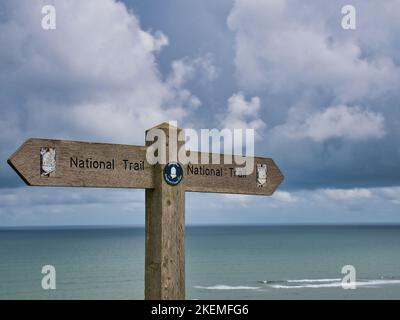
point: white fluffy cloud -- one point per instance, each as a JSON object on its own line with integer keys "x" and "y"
{"x": 391, "y": 193}
{"x": 185, "y": 69}
{"x": 339, "y": 122}
{"x": 37, "y": 197}
{"x": 95, "y": 76}
{"x": 284, "y": 196}
{"x": 312, "y": 70}
{"x": 362, "y": 205}
{"x": 58, "y": 206}
{"x": 384, "y": 194}
{"x": 283, "y": 46}
{"x": 348, "y": 194}
{"x": 243, "y": 114}
{"x": 279, "y": 198}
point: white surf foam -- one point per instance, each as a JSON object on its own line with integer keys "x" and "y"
{"x": 364, "y": 283}
{"x": 313, "y": 280}
{"x": 225, "y": 287}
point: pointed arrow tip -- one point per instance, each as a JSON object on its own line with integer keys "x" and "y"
{"x": 12, "y": 165}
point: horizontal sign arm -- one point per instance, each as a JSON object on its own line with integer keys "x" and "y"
{"x": 44, "y": 162}
{"x": 47, "y": 162}
{"x": 262, "y": 176}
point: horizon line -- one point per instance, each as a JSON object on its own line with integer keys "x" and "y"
{"x": 142, "y": 226}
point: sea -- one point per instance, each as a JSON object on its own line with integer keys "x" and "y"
{"x": 222, "y": 262}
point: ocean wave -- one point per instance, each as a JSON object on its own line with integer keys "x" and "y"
{"x": 336, "y": 284}
{"x": 299, "y": 281}
{"x": 314, "y": 280}
{"x": 225, "y": 287}
{"x": 304, "y": 283}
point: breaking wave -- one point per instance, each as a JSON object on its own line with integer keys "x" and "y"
{"x": 327, "y": 283}
{"x": 224, "y": 287}
{"x": 306, "y": 283}
{"x": 314, "y": 280}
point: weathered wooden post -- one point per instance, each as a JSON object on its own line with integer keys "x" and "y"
{"x": 165, "y": 231}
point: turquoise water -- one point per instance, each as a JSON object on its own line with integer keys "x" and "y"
{"x": 266, "y": 262}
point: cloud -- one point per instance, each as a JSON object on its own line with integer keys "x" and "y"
{"x": 284, "y": 196}
{"x": 280, "y": 197}
{"x": 185, "y": 69}
{"x": 340, "y": 122}
{"x": 71, "y": 206}
{"x": 329, "y": 96}
{"x": 390, "y": 193}
{"x": 28, "y": 198}
{"x": 348, "y": 194}
{"x": 239, "y": 199}
{"x": 182, "y": 72}
{"x": 54, "y": 206}
{"x": 242, "y": 114}
{"x": 95, "y": 75}
{"x": 284, "y": 46}
{"x": 353, "y": 206}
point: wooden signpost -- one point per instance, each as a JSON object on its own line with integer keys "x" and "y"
{"x": 47, "y": 162}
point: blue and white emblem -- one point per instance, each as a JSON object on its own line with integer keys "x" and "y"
{"x": 173, "y": 173}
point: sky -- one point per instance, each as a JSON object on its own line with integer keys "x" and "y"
{"x": 324, "y": 101}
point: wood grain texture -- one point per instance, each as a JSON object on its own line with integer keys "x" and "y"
{"x": 26, "y": 162}
{"x": 234, "y": 184}
{"x": 165, "y": 239}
